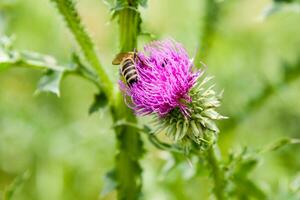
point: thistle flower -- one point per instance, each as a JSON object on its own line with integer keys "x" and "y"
{"x": 169, "y": 89}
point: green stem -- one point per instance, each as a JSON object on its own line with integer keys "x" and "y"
{"x": 130, "y": 150}
{"x": 129, "y": 25}
{"x": 128, "y": 139}
{"x": 216, "y": 172}
{"x": 129, "y": 142}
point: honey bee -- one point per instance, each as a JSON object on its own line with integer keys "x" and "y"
{"x": 127, "y": 62}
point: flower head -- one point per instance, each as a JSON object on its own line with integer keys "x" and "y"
{"x": 168, "y": 88}
{"x": 165, "y": 78}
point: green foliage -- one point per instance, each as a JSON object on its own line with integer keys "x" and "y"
{"x": 50, "y": 82}
{"x": 9, "y": 57}
{"x": 100, "y": 101}
{"x": 53, "y": 71}
{"x": 238, "y": 169}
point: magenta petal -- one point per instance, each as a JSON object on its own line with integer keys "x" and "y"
{"x": 164, "y": 79}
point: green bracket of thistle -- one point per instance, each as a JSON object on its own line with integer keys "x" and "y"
{"x": 199, "y": 129}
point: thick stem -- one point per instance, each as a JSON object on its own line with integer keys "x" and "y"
{"x": 216, "y": 173}
{"x": 129, "y": 142}
{"x": 129, "y": 25}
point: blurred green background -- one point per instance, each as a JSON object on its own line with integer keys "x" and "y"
{"x": 60, "y": 152}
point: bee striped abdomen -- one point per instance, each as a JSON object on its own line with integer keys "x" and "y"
{"x": 128, "y": 70}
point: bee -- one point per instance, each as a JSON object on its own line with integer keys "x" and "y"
{"x": 127, "y": 62}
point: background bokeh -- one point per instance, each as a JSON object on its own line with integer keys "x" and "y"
{"x": 62, "y": 153}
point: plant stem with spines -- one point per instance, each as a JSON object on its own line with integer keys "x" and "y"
{"x": 217, "y": 173}
{"x": 130, "y": 146}
{"x": 129, "y": 143}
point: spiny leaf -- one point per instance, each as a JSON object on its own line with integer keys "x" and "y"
{"x": 50, "y": 82}
{"x": 10, "y": 57}
{"x": 100, "y": 101}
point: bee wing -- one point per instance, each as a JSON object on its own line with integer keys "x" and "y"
{"x": 118, "y": 59}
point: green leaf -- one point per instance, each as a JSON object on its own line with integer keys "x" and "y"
{"x": 100, "y": 101}
{"x": 10, "y": 57}
{"x": 110, "y": 183}
{"x": 50, "y": 82}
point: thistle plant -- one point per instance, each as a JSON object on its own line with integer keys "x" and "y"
{"x": 171, "y": 88}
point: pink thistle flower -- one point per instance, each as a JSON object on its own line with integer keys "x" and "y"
{"x": 165, "y": 78}
{"x": 183, "y": 107}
